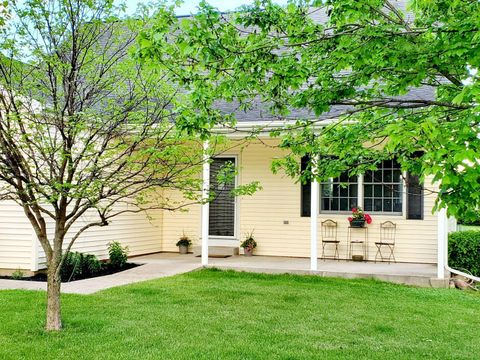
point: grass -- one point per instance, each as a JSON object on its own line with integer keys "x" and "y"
{"x": 213, "y": 314}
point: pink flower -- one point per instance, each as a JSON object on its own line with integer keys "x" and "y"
{"x": 354, "y": 210}
{"x": 368, "y": 218}
{"x": 350, "y": 219}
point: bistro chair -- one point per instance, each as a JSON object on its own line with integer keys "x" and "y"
{"x": 329, "y": 237}
{"x": 387, "y": 240}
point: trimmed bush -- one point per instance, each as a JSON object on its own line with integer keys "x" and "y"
{"x": 79, "y": 266}
{"x": 464, "y": 251}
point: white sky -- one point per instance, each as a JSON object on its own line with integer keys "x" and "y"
{"x": 189, "y": 6}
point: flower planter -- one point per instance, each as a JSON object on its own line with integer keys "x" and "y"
{"x": 357, "y": 223}
{"x": 248, "y": 252}
{"x": 183, "y": 249}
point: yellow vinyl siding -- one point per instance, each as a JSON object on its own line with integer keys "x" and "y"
{"x": 16, "y": 238}
{"x": 175, "y": 223}
{"x": 279, "y": 202}
{"x": 141, "y": 233}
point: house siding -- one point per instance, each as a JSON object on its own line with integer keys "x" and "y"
{"x": 16, "y": 238}
{"x": 141, "y": 233}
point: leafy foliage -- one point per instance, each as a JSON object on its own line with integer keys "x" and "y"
{"x": 464, "y": 251}
{"x": 470, "y": 221}
{"x": 402, "y": 81}
{"x": 79, "y": 266}
{"x": 118, "y": 254}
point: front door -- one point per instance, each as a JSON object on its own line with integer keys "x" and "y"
{"x": 222, "y": 208}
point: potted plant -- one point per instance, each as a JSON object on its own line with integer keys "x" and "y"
{"x": 183, "y": 243}
{"x": 248, "y": 244}
{"x": 358, "y": 218}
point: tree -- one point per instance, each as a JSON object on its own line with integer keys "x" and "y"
{"x": 399, "y": 82}
{"x": 85, "y": 132}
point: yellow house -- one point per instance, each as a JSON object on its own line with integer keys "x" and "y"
{"x": 287, "y": 218}
{"x": 279, "y": 215}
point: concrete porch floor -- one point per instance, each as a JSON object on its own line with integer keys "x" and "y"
{"x": 402, "y": 273}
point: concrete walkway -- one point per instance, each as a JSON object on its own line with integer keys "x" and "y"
{"x": 148, "y": 271}
{"x": 402, "y": 273}
{"x": 167, "y": 264}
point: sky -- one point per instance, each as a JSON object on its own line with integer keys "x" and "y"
{"x": 189, "y": 6}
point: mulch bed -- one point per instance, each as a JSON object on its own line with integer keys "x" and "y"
{"x": 107, "y": 270}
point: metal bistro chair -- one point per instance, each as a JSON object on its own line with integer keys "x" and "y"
{"x": 329, "y": 236}
{"x": 387, "y": 239}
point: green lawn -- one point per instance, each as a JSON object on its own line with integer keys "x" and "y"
{"x": 213, "y": 314}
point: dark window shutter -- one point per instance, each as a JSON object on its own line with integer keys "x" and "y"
{"x": 414, "y": 198}
{"x": 306, "y": 190}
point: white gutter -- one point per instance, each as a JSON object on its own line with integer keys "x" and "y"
{"x": 443, "y": 249}
{"x": 244, "y": 129}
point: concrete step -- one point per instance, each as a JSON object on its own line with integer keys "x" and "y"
{"x": 217, "y": 251}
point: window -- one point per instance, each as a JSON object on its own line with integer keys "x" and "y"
{"x": 305, "y": 191}
{"x": 414, "y": 198}
{"x": 382, "y": 192}
{"x": 383, "y": 188}
{"x": 339, "y": 194}
{"x": 222, "y": 207}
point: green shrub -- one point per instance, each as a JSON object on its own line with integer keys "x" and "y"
{"x": 118, "y": 255}
{"x": 78, "y": 266}
{"x": 464, "y": 251}
{"x": 18, "y": 275}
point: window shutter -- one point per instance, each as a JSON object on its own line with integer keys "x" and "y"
{"x": 414, "y": 198}
{"x": 305, "y": 191}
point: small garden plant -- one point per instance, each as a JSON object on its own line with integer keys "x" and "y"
{"x": 118, "y": 254}
{"x": 184, "y": 241}
{"x": 249, "y": 244}
{"x": 359, "y": 215}
{"x": 183, "y": 244}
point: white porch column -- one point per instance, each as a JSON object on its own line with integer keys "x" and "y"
{"x": 442, "y": 238}
{"x": 314, "y": 205}
{"x": 205, "y": 205}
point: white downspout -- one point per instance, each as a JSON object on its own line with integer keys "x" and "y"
{"x": 314, "y": 205}
{"x": 205, "y": 203}
{"x": 443, "y": 238}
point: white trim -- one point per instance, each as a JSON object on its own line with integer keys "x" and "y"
{"x": 442, "y": 236}
{"x": 244, "y": 129}
{"x": 205, "y": 203}
{"x": 404, "y": 196}
{"x": 360, "y": 195}
{"x": 314, "y": 211}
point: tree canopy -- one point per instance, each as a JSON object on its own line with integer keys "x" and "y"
{"x": 86, "y": 133}
{"x": 380, "y": 79}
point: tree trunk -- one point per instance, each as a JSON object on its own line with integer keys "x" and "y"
{"x": 54, "y": 319}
